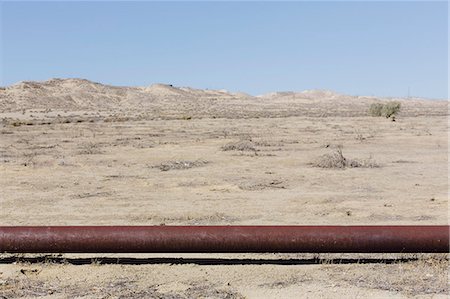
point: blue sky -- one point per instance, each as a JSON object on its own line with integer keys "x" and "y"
{"x": 361, "y": 48}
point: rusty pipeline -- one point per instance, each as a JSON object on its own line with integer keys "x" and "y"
{"x": 209, "y": 239}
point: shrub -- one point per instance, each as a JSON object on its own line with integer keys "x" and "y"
{"x": 387, "y": 110}
{"x": 390, "y": 109}
{"x": 333, "y": 160}
{"x": 336, "y": 159}
{"x": 90, "y": 148}
{"x": 242, "y": 145}
{"x": 375, "y": 109}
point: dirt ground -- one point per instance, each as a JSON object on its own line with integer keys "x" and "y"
{"x": 223, "y": 170}
{"x": 180, "y": 172}
{"x": 229, "y": 276}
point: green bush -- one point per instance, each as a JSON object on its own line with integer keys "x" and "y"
{"x": 387, "y": 110}
{"x": 375, "y": 109}
{"x": 390, "y": 109}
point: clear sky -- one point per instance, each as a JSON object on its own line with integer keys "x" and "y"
{"x": 375, "y": 48}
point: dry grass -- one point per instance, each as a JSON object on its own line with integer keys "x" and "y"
{"x": 425, "y": 277}
{"x": 29, "y": 159}
{"x": 90, "y": 148}
{"x": 242, "y": 145}
{"x": 286, "y": 282}
{"x": 31, "y": 288}
{"x": 118, "y": 188}
{"x": 192, "y": 218}
{"x": 262, "y": 185}
{"x": 180, "y": 165}
{"x": 422, "y": 277}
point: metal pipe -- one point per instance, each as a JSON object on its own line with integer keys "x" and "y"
{"x": 163, "y": 239}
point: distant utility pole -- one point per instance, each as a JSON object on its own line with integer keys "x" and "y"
{"x": 409, "y": 94}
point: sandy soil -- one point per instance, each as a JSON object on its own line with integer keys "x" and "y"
{"x": 258, "y": 166}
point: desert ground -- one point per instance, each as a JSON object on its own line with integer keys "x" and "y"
{"x": 75, "y": 152}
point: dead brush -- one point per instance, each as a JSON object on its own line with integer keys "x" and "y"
{"x": 336, "y": 160}
{"x": 29, "y": 159}
{"x": 426, "y": 277}
{"x": 241, "y": 145}
{"x": 90, "y": 148}
{"x": 180, "y": 165}
{"x": 333, "y": 160}
{"x": 363, "y": 163}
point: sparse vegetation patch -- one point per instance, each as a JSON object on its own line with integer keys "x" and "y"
{"x": 179, "y": 165}
{"x": 90, "y": 148}
{"x": 242, "y": 145}
{"x": 375, "y": 109}
{"x": 337, "y": 160}
{"x": 389, "y": 109}
{"x": 261, "y": 185}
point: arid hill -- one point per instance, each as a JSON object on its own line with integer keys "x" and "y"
{"x": 167, "y": 101}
